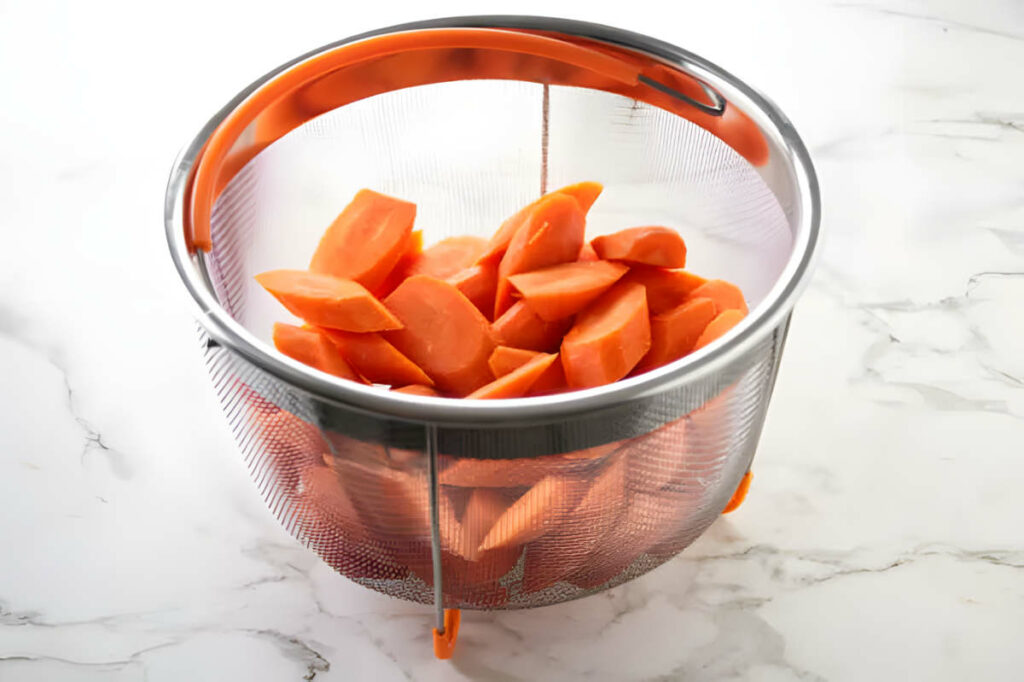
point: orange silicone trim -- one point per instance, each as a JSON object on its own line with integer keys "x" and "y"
{"x": 444, "y": 644}
{"x": 741, "y": 493}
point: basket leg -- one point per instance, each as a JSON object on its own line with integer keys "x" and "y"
{"x": 446, "y": 629}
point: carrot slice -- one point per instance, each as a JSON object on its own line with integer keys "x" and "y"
{"x": 587, "y": 254}
{"x": 504, "y": 359}
{"x": 311, "y": 347}
{"x": 448, "y": 256}
{"x": 585, "y": 194}
{"x": 326, "y": 301}
{"x": 377, "y": 360}
{"x": 520, "y": 327}
{"x": 727, "y": 296}
{"x": 673, "y": 334}
{"x": 536, "y": 512}
{"x": 609, "y": 338}
{"x": 413, "y": 248}
{"x": 366, "y": 240}
{"x": 417, "y": 389}
{"x": 719, "y": 326}
{"x": 478, "y": 283}
{"x": 551, "y": 381}
{"x": 551, "y": 234}
{"x": 666, "y": 289}
{"x": 563, "y": 290}
{"x": 443, "y": 333}
{"x": 516, "y": 383}
{"x": 653, "y": 245}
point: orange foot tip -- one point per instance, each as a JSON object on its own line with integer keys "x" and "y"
{"x": 740, "y": 494}
{"x": 444, "y": 642}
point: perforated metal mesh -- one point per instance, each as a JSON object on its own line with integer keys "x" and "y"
{"x": 532, "y": 515}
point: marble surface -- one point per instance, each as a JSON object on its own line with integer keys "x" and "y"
{"x": 882, "y": 538}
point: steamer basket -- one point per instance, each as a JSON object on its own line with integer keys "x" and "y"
{"x": 471, "y": 118}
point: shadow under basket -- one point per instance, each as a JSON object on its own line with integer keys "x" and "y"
{"x": 509, "y": 503}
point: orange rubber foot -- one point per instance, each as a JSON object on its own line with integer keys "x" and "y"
{"x": 444, "y": 644}
{"x": 741, "y": 494}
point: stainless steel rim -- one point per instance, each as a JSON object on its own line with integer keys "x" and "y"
{"x": 762, "y": 320}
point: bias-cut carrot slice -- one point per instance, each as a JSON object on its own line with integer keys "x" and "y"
{"x": 551, "y": 234}
{"x": 520, "y": 327}
{"x": 587, "y": 254}
{"x": 413, "y": 248}
{"x": 392, "y": 503}
{"x": 418, "y": 389}
{"x": 483, "y": 508}
{"x": 540, "y": 509}
{"x": 326, "y": 301}
{"x": 377, "y": 360}
{"x": 478, "y": 283}
{"x": 652, "y": 245}
{"x": 444, "y": 334}
{"x": 563, "y": 290}
{"x": 674, "y": 333}
{"x": 551, "y": 381}
{"x": 365, "y": 241}
{"x": 666, "y": 289}
{"x": 718, "y": 327}
{"x": 448, "y": 256}
{"x": 311, "y": 347}
{"x": 609, "y": 338}
{"x": 585, "y": 194}
{"x": 504, "y": 359}
{"x": 516, "y": 383}
{"x": 726, "y": 295}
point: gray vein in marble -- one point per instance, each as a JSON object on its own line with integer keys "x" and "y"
{"x": 296, "y": 650}
{"x": 135, "y": 659}
{"x": 950, "y": 23}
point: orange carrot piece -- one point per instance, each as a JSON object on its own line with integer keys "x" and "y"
{"x": 516, "y": 383}
{"x": 673, "y": 334}
{"x": 587, "y": 254}
{"x": 377, "y": 360}
{"x": 444, "y": 333}
{"x": 719, "y": 326}
{"x": 666, "y": 289}
{"x": 727, "y": 296}
{"x": 478, "y": 283}
{"x": 520, "y": 327}
{"x": 563, "y": 290}
{"x": 448, "y": 256}
{"x": 536, "y": 512}
{"x": 413, "y": 248}
{"x": 609, "y": 338}
{"x": 417, "y": 389}
{"x": 551, "y": 381}
{"x": 505, "y": 359}
{"x": 653, "y": 245}
{"x": 326, "y": 301}
{"x": 551, "y": 234}
{"x": 365, "y": 241}
{"x": 585, "y": 194}
{"x": 311, "y": 347}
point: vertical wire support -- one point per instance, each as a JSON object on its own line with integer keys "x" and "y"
{"x": 435, "y": 527}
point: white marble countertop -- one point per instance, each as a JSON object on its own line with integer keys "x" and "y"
{"x": 882, "y": 538}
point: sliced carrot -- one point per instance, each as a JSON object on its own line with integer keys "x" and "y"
{"x": 587, "y": 254}
{"x": 536, "y": 512}
{"x": 551, "y": 381}
{"x": 483, "y": 508}
{"x": 551, "y": 234}
{"x": 465, "y": 472}
{"x": 674, "y": 333}
{"x": 413, "y": 248}
{"x": 727, "y": 296}
{"x": 504, "y": 359}
{"x": 653, "y": 245}
{"x": 563, "y": 290}
{"x": 585, "y": 194}
{"x": 366, "y": 241}
{"x": 609, "y": 338}
{"x": 516, "y": 383}
{"x": 311, "y": 347}
{"x": 377, "y": 360}
{"x": 448, "y": 256}
{"x": 719, "y": 326}
{"x": 478, "y": 283}
{"x": 443, "y": 333}
{"x": 666, "y": 289}
{"x": 326, "y": 301}
{"x": 520, "y": 327}
{"x": 392, "y": 503}
{"x": 417, "y": 389}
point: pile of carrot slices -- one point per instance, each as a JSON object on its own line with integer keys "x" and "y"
{"x": 534, "y": 310}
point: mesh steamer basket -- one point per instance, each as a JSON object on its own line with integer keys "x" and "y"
{"x": 505, "y": 503}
